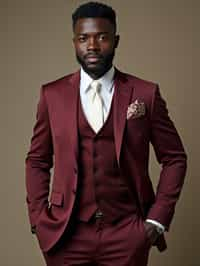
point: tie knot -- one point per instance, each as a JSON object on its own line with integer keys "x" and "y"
{"x": 96, "y": 85}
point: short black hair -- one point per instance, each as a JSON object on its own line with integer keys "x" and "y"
{"x": 94, "y": 10}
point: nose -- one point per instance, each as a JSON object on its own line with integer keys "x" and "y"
{"x": 93, "y": 44}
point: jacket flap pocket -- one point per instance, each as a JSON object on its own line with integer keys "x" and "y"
{"x": 56, "y": 198}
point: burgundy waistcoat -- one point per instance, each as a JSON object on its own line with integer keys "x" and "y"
{"x": 101, "y": 184}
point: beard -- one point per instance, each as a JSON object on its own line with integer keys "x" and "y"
{"x": 96, "y": 69}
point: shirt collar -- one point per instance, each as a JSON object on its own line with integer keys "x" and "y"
{"x": 106, "y": 80}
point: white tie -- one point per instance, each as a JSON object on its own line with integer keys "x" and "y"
{"x": 95, "y": 105}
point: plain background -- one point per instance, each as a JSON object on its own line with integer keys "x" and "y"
{"x": 159, "y": 41}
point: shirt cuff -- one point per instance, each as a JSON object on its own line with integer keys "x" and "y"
{"x": 156, "y": 223}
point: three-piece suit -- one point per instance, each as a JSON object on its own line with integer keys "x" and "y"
{"x": 106, "y": 171}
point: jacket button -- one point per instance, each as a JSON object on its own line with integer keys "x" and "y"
{"x": 74, "y": 191}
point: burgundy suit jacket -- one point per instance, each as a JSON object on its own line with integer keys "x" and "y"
{"x": 55, "y": 142}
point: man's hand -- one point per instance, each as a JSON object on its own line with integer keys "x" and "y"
{"x": 152, "y": 232}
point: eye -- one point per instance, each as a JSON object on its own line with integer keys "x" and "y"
{"x": 102, "y": 37}
{"x": 82, "y": 38}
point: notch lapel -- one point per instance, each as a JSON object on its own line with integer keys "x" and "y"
{"x": 72, "y": 97}
{"x": 122, "y": 98}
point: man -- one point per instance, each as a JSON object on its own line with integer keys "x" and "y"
{"x": 98, "y": 124}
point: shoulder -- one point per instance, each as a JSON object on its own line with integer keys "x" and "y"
{"x": 145, "y": 86}
{"x": 60, "y": 82}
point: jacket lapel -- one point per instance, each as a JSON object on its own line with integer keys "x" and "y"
{"x": 122, "y": 98}
{"x": 72, "y": 105}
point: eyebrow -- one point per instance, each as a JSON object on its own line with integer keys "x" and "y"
{"x": 101, "y": 32}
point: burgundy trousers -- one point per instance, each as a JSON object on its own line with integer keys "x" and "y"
{"x": 124, "y": 243}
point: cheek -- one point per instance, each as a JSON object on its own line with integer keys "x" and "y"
{"x": 80, "y": 50}
{"x": 108, "y": 48}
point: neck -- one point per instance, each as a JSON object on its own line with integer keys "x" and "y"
{"x": 97, "y": 74}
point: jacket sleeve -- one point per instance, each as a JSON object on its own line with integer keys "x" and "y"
{"x": 171, "y": 155}
{"x": 39, "y": 161}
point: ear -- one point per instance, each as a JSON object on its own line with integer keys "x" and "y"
{"x": 117, "y": 38}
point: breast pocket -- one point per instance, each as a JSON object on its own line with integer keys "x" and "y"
{"x": 137, "y": 130}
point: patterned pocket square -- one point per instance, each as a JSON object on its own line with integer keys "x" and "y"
{"x": 135, "y": 110}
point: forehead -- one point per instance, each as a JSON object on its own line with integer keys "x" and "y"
{"x": 93, "y": 25}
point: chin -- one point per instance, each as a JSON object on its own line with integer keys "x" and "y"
{"x": 95, "y": 68}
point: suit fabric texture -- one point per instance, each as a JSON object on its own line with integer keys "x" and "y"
{"x": 56, "y": 141}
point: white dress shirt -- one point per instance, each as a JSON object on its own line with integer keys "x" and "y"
{"x": 107, "y": 91}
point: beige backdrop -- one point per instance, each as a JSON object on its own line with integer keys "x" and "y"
{"x": 159, "y": 41}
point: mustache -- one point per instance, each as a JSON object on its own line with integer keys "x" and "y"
{"x": 92, "y": 54}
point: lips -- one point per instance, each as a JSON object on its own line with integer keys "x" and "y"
{"x": 92, "y": 58}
